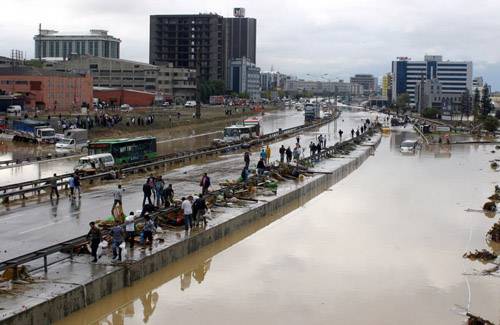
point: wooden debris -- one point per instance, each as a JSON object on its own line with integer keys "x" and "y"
{"x": 476, "y": 320}
{"x": 490, "y": 206}
{"x": 483, "y": 255}
{"x": 495, "y": 197}
{"x": 494, "y": 232}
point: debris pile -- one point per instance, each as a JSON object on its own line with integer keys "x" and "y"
{"x": 494, "y": 232}
{"x": 483, "y": 255}
{"x": 476, "y": 320}
{"x": 490, "y": 206}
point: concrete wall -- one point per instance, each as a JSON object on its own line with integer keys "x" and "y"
{"x": 118, "y": 278}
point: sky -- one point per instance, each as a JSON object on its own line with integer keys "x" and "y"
{"x": 303, "y": 38}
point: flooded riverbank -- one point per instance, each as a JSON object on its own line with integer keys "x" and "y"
{"x": 383, "y": 246}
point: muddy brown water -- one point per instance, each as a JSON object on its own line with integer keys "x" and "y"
{"x": 383, "y": 246}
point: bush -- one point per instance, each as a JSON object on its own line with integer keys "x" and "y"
{"x": 430, "y": 112}
{"x": 490, "y": 123}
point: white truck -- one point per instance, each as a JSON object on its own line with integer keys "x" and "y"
{"x": 74, "y": 140}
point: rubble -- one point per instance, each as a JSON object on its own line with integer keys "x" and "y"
{"x": 476, "y": 320}
{"x": 490, "y": 206}
{"x": 495, "y": 197}
{"x": 483, "y": 255}
{"x": 494, "y": 232}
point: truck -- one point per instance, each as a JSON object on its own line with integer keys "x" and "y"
{"x": 312, "y": 111}
{"x": 74, "y": 140}
{"x": 33, "y": 131}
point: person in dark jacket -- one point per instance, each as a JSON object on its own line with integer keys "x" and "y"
{"x": 146, "y": 189}
{"x": 282, "y": 153}
{"x": 95, "y": 237}
{"x": 169, "y": 195}
{"x": 288, "y": 155}
{"x": 205, "y": 184}
{"x": 261, "y": 167}
{"x": 246, "y": 159}
{"x": 199, "y": 208}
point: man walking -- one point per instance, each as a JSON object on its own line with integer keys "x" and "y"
{"x": 282, "y": 154}
{"x": 117, "y": 196}
{"x": 95, "y": 237}
{"x": 169, "y": 195}
{"x": 76, "y": 179}
{"x": 146, "y": 189}
{"x": 205, "y": 184}
{"x": 246, "y": 159}
{"x": 116, "y": 240}
{"x": 53, "y": 187}
{"x": 187, "y": 209}
{"x": 340, "y": 135}
{"x": 71, "y": 185}
{"x": 130, "y": 228}
{"x": 149, "y": 229}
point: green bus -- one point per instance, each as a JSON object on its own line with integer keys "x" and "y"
{"x": 125, "y": 150}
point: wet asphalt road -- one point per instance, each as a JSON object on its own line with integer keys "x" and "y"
{"x": 38, "y": 225}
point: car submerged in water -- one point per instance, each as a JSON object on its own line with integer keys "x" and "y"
{"x": 408, "y": 146}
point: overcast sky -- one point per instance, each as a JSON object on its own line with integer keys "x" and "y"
{"x": 338, "y": 37}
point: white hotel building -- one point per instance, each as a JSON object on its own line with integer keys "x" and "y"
{"x": 454, "y": 76}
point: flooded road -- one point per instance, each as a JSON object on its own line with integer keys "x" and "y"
{"x": 383, "y": 246}
{"x": 30, "y": 225}
{"x": 271, "y": 123}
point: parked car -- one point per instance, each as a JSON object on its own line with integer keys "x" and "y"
{"x": 14, "y": 109}
{"x": 126, "y": 107}
{"x": 408, "y": 146}
{"x": 190, "y": 103}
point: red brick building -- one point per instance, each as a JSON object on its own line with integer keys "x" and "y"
{"x": 120, "y": 96}
{"x": 47, "y": 89}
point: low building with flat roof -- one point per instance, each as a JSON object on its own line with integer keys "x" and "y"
{"x": 46, "y": 89}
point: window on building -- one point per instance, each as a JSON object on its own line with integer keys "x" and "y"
{"x": 35, "y": 85}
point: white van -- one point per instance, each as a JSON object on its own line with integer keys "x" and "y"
{"x": 94, "y": 163}
{"x": 14, "y": 109}
{"x": 74, "y": 139}
{"x": 190, "y": 103}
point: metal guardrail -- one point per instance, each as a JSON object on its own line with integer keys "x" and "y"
{"x": 42, "y": 184}
{"x": 69, "y": 245}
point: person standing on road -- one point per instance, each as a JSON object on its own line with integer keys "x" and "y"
{"x": 187, "y": 209}
{"x": 261, "y": 167}
{"x": 117, "y": 196}
{"x": 151, "y": 181}
{"x": 71, "y": 185}
{"x": 357, "y": 133}
{"x": 149, "y": 229}
{"x": 116, "y": 240}
{"x": 169, "y": 195}
{"x": 340, "y": 135}
{"x": 352, "y": 133}
{"x": 200, "y": 207}
{"x": 312, "y": 148}
{"x": 146, "y": 190}
{"x": 244, "y": 174}
{"x": 263, "y": 153}
{"x": 53, "y": 187}
{"x": 288, "y": 155}
{"x": 159, "y": 185}
{"x": 246, "y": 159}
{"x": 282, "y": 154}
{"x": 298, "y": 139}
{"x": 205, "y": 184}
{"x": 130, "y": 228}
{"x": 268, "y": 154}
{"x": 76, "y": 178}
{"x": 95, "y": 237}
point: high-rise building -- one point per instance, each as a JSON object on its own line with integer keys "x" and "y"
{"x": 189, "y": 41}
{"x": 52, "y": 44}
{"x": 368, "y": 81}
{"x": 244, "y": 77}
{"x": 241, "y": 36}
{"x": 387, "y": 85}
{"x": 454, "y": 76}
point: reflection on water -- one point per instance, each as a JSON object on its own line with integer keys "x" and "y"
{"x": 383, "y": 246}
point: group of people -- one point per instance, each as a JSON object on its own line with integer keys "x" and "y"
{"x": 140, "y": 121}
{"x": 155, "y": 187}
{"x": 74, "y": 186}
{"x": 317, "y": 147}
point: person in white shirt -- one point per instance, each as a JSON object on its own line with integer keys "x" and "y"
{"x": 130, "y": 228}
{"x": 187, "y": 208}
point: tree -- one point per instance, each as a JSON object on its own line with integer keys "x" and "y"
{"x": 490, "y": 123}
{"x": 430, "y": 112}
{"x": 486, "y": 105}
{"x": 402, "y": 102}
{"x": 211, "y": 88}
